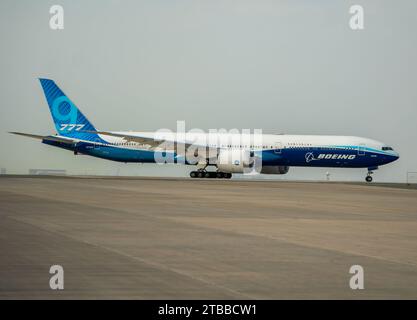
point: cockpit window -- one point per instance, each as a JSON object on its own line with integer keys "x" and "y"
{"x": 387, "y": 148}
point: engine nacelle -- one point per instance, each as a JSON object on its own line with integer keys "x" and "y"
{"x": 275, "y": 169}
{"x": 234, "y": 161}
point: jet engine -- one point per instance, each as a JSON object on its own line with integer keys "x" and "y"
{"x": 235, "y": 161}
{"x": 275, "y": 169}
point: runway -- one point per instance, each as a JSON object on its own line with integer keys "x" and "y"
{"x": 205, "y": 239}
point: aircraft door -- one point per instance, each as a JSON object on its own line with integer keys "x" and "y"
{"x": 278, "y": 147}
{"x": 361, "y": 149}
{"x": 97, "y": 144}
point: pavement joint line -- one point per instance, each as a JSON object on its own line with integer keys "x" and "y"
{"x": 235, "y": 232}
{"x": 145, "y": 261}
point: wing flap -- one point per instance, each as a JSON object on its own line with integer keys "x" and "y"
{"x": 129, "y": 138}
{"x": 48, "y": 138}
{"x": 154, "y": 142}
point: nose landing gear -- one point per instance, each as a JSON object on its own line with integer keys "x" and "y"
{"x": 370, "y": 172}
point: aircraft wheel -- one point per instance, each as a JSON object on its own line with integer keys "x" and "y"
{"x": 219, "y": 175}
{"x": 228, "y": 175}
{"x": 200, "y": 174}
{"x": 193, "y": 174}
{"x": 207, "y": 175}
{"x": 368, "y": 179}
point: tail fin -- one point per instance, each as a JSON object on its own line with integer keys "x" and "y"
{"x": 69, "y": 120}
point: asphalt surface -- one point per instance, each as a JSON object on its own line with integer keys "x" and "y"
{"x": 205, "y": 239}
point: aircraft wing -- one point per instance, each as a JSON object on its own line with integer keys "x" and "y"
{"x": 130, "y": 138}
{"x": 153, "y": 142}
{"x": 156, "y": 142}
{"x": 48, "y": 138}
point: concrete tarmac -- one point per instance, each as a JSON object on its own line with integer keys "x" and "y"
{"x": 205, "y": 239}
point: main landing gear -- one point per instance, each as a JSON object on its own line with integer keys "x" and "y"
{"x": 210, "y": 174}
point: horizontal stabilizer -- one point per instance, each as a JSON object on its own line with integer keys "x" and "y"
{"x": 35, "y": 136}
{"x": 47, "y": 138}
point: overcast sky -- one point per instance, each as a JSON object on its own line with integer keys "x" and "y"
{"x": 282, "y": 66}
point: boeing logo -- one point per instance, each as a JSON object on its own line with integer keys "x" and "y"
{"x": 310, "y": 157}
{"x": 329, "y": 156}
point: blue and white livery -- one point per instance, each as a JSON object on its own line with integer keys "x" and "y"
{"x": 273, "y": 154}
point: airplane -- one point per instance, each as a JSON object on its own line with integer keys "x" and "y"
{"x": 271, "y": 154}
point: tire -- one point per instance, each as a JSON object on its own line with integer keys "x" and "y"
{"x": 207, "y": 175}
{"x": 200, "y": 174}
{"x": 368, "y": 179}
{"x": 228, "y": 175}
{"x": 193, "y": 174}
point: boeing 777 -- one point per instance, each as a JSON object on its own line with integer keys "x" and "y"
{"x": 227, "y": 152}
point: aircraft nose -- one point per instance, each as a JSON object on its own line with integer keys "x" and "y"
{"x": 391, "y": 157}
